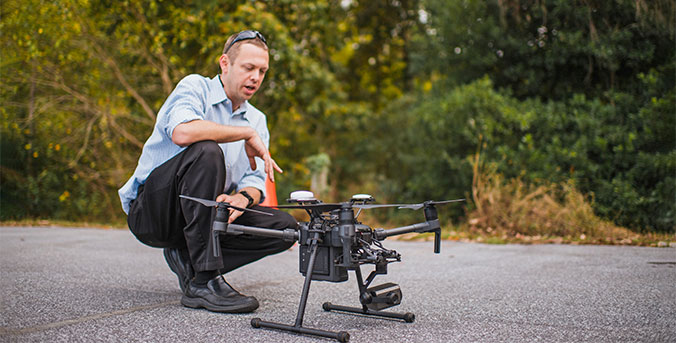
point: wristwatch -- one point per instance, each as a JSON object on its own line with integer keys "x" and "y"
{"x": 249, "y": 197}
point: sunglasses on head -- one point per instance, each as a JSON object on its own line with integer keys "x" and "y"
{"x": 245, "y": 35}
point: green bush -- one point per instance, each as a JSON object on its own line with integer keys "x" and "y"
{"x": 618, "y": 153}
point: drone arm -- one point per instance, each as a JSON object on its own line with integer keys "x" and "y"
{"x": 221, "y": 226}
{"x": 381, "y": 234}
{"x": 288, "y": 235}
{"x": 429, "y": 226}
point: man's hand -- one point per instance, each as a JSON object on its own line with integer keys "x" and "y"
{"x": 234, "y": 200}
{"x": 254, "y": 147}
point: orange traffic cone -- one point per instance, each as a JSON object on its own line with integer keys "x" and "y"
{"x": 271, "y": 198}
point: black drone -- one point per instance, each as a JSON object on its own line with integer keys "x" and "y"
{"x": 331, "y": 243}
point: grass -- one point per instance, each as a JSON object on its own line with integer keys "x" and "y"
{"x": 511, "y": 211}
{"x": 462, "y": 232}
{"x": 503, "y": 211}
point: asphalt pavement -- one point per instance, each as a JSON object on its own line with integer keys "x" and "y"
{"x": 96, "y": 285}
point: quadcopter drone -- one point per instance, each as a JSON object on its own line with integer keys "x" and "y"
{"x": 331, "y": 243}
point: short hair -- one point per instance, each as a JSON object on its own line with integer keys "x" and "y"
{"x": 233, "y": 52}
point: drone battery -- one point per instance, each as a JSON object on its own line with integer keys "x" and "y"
{"x": 381, "y": 296}
{"x": 325, "y": 268}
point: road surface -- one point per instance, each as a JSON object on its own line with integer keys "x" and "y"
{"x": 95, "y": 285}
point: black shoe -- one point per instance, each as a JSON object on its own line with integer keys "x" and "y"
{"x": 179, "y": 263}
{"x": 218, "y": 296}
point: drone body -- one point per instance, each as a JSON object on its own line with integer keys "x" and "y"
{"x": 332, "y": 243}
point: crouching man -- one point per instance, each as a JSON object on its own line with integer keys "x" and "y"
{"x": 208, "y": 142}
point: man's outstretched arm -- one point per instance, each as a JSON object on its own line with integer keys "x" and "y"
{"x": 200, "y": 130}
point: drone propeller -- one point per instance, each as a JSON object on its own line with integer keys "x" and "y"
{"x": 211, "y": 203}
{"x": 408, "y": 206}
{"x": 321, "y": 207}
{"x": 421, "y": 205}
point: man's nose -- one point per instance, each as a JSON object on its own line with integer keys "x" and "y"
{"x": 255, "y": 76}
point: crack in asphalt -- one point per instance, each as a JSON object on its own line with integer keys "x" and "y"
{"x": 54, "y": 325}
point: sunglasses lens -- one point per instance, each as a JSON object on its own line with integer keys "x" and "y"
{"x": 244, "y": 35}
{"x": 260, "y": 35}
{"x": 250, "y": 35}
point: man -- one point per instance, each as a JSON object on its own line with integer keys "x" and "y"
{"x": 208, "y": 142}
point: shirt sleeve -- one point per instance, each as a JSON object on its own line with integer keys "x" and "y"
{"x": 186, "y": 103}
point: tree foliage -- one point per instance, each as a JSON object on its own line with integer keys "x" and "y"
{"x": 580, "y": 90}
{"x": 548, "y": 49}
{"x": 398, "y": 94}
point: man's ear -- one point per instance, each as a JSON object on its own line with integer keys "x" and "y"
{"x": 224, "y": 62}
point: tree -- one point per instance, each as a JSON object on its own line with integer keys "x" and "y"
{"x": 593, "y": 78}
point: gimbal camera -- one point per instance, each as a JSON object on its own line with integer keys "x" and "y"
{"x": 331, "y": 243}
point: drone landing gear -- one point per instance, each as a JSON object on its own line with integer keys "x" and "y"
{"x": 373, "y": 299}
{"x": 341, "y": 336}
{"x": 407, "y": 317}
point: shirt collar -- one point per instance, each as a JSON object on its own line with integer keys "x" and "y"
{"x": 217, "y": 95}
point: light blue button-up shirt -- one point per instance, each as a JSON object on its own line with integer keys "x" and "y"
{"x": 197, "y": 97}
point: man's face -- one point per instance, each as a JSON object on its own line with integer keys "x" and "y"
{"x": 243, "y": 77}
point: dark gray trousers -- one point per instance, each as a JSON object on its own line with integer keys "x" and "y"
{"x": 159, "y": 218}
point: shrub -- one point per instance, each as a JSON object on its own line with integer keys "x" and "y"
{"x": 513, "y": 209}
